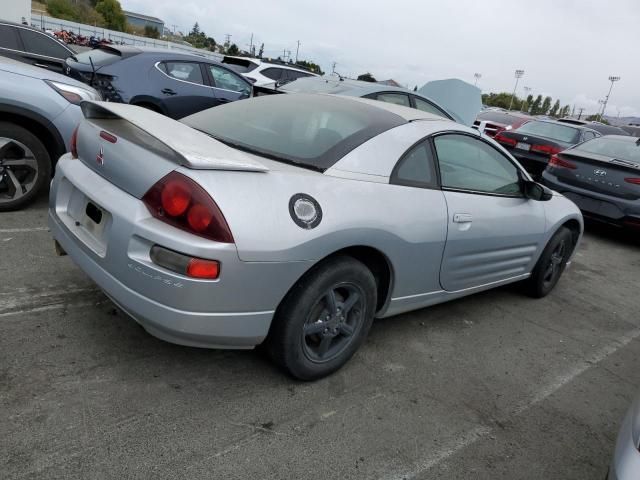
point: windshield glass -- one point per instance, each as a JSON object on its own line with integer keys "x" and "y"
{"x": 99, "y": 56}
{"x": 620, "y": 148}
{"x": 313, "y": 131}
{"x": 553, "y": 131}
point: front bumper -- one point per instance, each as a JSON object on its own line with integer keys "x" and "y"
{"x": 234, "y": 311}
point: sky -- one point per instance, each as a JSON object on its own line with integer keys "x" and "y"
{"x": 567, "y": 48}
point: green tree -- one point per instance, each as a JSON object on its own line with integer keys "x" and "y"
{"x": 62, "y": 9}
{"x": 555, "y": 109}
{"x": 314, "y": 67}
{"x": 112, "y": 13}
{"x": 195, "y": 30}
{"x": 502, "y": 100}
{"x": 367, "y": 77}
{"x": 233, "y": 49}
{"x": 546, "y": 105}
{"x": 565, "y": 111}
{"x": 529, "y": 99}
{"x": 596, "y": 118}
{"x": 535, "y": 106}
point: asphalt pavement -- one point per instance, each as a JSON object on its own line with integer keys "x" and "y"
{"x": 493, "y": 386}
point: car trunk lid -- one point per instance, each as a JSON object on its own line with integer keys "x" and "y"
{"x": 133, "y": 148}
{"x": 598, "y": 173}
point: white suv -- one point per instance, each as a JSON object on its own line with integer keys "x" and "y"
{"x": 260, "y": 72}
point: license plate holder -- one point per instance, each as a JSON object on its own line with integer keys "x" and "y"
{"x": 523, "y": 146}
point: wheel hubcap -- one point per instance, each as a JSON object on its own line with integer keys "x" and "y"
{"x": 18, "y": 170}
{"x": 555, "y": 263}
{"x": 333, "y": 322}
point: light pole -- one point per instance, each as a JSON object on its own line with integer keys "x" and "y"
{"x": 526, "y": 94}
{"x": 612, "y": 79}
{"x": 519, "y": 75}
{"x": 477, "y": 76}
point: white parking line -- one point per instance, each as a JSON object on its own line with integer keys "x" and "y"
{"x": 23, "y": 230}
{"x": 472, "y": 436}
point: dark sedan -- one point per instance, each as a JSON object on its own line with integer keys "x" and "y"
{"x": 602, "y": 177}
{"x": 30, "y": 45}
{"x": 535, "y": 142}
{"x": 175, "y": 84}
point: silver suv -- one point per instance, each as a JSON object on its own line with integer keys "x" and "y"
{"x": 39, "y": 111}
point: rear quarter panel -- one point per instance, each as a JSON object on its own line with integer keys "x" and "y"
{"x": 408, "y": 225}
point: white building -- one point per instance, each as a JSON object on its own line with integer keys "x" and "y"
{"x": 18, "y": 11}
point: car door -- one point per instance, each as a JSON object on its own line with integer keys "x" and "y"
{"x": 227, "y": 85}
{"x": 44, "y": 51}
{"x": 183, "y": 88}
{"x": 10, "y": 44}
{"x": 494, "y": 232}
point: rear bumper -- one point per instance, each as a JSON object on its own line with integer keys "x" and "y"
{"x": 210, "y": 330}
{"x": 593, "y": 205}
{"x": 234, "y": 311}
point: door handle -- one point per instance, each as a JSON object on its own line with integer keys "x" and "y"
{"x": 462, "y": 218}
{"x": 168, "y": 91}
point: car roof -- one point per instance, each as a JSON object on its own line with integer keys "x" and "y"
{"x": 265, "y": 63}
{"x": 128, "y": 51}
{"x": 338, "y": 85}
{"x": 408, "y": 113}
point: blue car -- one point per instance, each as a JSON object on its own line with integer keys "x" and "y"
{"x": 168, "y": 82}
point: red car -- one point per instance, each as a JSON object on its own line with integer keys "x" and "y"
{"x": 498, "y": 121}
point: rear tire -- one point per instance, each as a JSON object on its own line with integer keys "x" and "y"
{"x": 323, "y": 319}
{"x": 550, "y": 265}
{"x": 25, "y": 166}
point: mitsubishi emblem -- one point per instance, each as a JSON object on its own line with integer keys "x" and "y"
{"x": 100, "y": 157}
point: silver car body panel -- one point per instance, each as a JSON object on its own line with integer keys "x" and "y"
{"x": 626, "y": 458}
{"x": 432, "y": 257}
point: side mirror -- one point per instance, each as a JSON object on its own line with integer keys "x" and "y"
{"x": 538, "y": 192}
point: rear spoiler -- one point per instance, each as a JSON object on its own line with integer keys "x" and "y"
{"x": 192, "y": 149}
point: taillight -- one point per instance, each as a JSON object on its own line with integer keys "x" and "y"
{"x": 506, "y": 140}
{"x": 179, "y": 201}
{"x": 548, "y": 149}
{"x": 184, "y": 264}
{"x": 634, "y": 180}
{"x": 558, "y": 162}
{"x": 73, "y": 143}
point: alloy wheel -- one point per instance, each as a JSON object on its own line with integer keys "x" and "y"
{"x": 18, "y": 170}
{"x": 554, "y": 266}
{"x": 333, "y": 322}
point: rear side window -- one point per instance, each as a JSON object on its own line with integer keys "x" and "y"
{"x": 42, "y": 44}
{"x": 239, "y": 65}
{"x": 427, "y": 107}
{"x": 470, "y": 164}
{"x": 395, "y": 98}
{"x": 589, "y": 136}
{"x": 553, "y": 131}
{"x": 416, "y": 168}
{"x": 186, "y": 71}
{"x": 9, "y": 38}
{"x": 272, "y": 73}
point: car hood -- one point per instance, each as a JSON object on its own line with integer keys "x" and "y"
{"x": 461, "y": 100}
{"x": 20, "y": 68}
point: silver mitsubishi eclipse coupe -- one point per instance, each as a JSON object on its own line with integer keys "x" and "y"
{"x": 294, "y": 220}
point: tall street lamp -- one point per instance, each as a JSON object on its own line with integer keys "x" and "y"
{"x": 478, "y": 76}
{"x": 613, "y": 80}
{"x": 519, "y": 74}
{"x": 526, "y": 94}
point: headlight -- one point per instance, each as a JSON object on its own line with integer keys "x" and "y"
{"x": 73, "y": 93}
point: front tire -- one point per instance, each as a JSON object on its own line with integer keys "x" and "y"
{"x": 324, "y": 319}
{"x": 25, "y": 166}
{"x": 551, "y": 264}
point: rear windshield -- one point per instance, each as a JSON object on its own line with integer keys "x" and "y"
{"x": 620, "y": 148}
{"x": 100, "y": 57}
{"x": 552, "y": 131}
{"x": 499, "y": 117}
{"x": 312, "y": 131}
{"x": 239, "y": 65}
